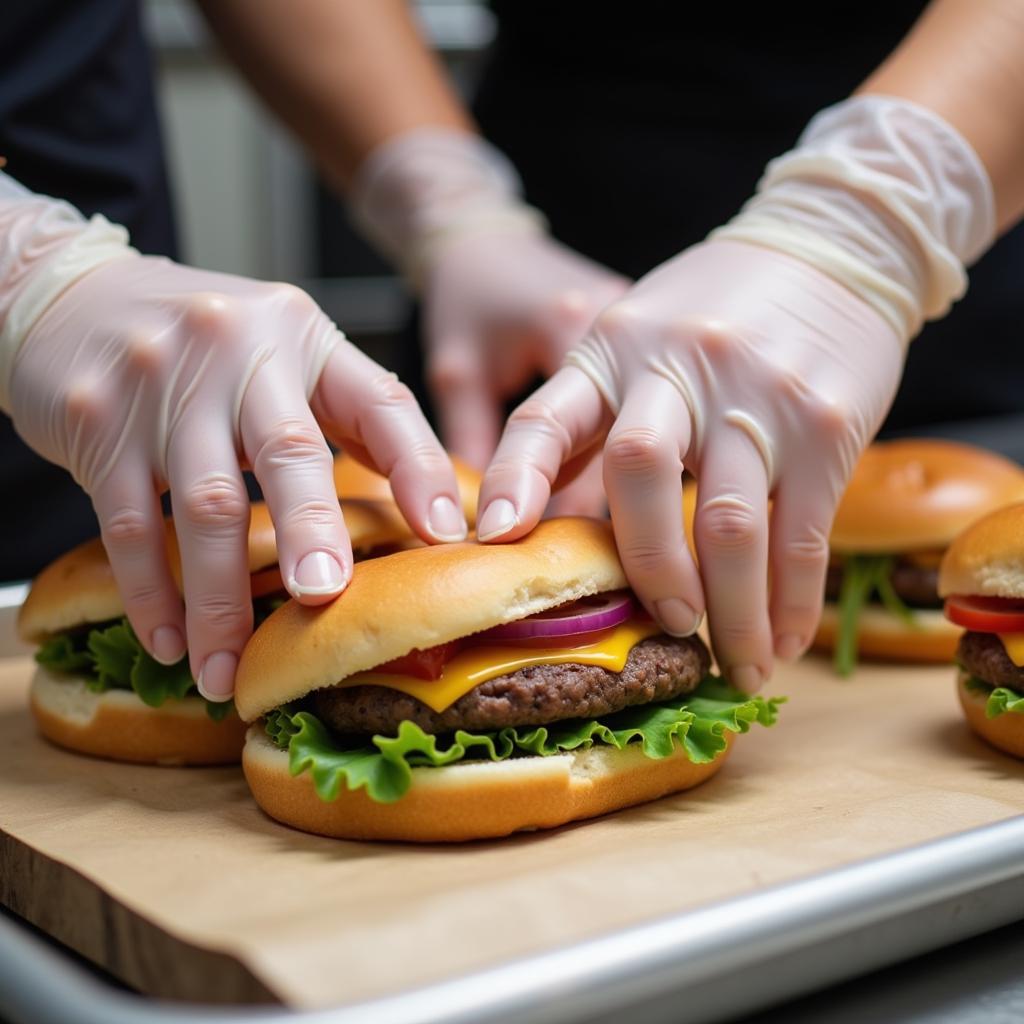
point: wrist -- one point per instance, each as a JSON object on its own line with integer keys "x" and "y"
{"x": 45, "y": 246}
{"x": 883, "y": 196}
{"x": 418, "y": 193}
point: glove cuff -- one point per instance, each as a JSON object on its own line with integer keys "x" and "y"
{"x": 45, "y": 246}
{"x": 885, "y": 197}
{"x": 419, "y": 192}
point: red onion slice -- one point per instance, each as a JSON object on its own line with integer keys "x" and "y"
{"x": 588, "y": 615}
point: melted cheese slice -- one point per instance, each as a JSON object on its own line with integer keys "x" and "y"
{"x": 476, "y": 665}
{"x": 1014, "y": 644}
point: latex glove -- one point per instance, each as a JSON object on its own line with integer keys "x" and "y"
{"x": 138, "y": 375}
{"x": 764, "y": 368}
{"x": 503, "y": 302}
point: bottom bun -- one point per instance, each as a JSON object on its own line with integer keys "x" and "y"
{"x": 116, "y": 725}
{"x": 475, "y": 800}
{"x": 1005, "y": 731}
{"x": 883, "y": 636}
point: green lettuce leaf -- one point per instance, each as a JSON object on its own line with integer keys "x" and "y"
{"x": 383, "y": 766}
{"x": 864, "y": 576}
{"x": 61, "y": 653}
{"x": 110, "y": 657}
{"x": 1002, "y": 700}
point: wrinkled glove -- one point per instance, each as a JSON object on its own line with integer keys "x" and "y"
{"x": 503, "y": 302}
{"x": 138, "y": 374}
{"x": 764, "y": 360}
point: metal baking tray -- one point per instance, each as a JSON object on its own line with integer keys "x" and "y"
{"x": 711, "y": 964}
{"x": 708, "y": 965}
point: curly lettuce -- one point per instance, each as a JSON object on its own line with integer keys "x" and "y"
{"x": 864, "y": 577}
{"x": 109, "y": 657}
{"x": 383, "y": 765}
{"x": 1002, "y": 700}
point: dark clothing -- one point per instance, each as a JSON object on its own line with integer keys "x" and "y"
{"x": 638, "y": 129}
{"x": 78, "y": 121}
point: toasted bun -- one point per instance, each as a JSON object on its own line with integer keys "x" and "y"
{"x": 988, "y": 557}
{"x": 476, "y": 800}
{"x": 354, "y": 480}
{"x": 116, "y": 725}
{"x": 881, "y": 635}
{"x": 79, "y": 587}
{"x": 914, "y": 495}
{"x": 1006, "y": 731}
{"x": 420, "y": 598}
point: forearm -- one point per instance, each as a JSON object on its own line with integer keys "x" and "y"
{"x": 345, "y": 75}
{"x": 963, "y": 60}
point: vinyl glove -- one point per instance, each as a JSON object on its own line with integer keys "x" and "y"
{"x": 503, "y": 302}
{"x": 764, "y": 360}
{"x": 138, "y": 375}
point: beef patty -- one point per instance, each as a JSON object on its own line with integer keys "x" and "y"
{"x": 915, "y": 585}
{"x": 657, "y": 669}
{"x": 984, "y": 656}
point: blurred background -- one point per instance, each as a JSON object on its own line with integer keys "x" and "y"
{"x": 248, "y": 200}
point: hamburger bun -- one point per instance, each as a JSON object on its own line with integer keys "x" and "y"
{"x": 918, "y": 494}
{"x": 1005, "y": 732}
{"x": 427, "y": 596}
{"x": 79, "y": 587}
{"x": 116, "y": 725}
{"x": 884, "y": 637}
{"x": 988, "y": 558}
{"x": 476, "y": 799}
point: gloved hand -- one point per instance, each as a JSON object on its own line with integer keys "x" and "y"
{"x": 138, "y": 375}
{"x": 764, "y": 360}
{"x": 503, "y": 302}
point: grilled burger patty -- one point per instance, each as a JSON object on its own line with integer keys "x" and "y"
{"x": 656, "y": 669}
{"x": 916, "y": 585}
{"x": 983, "y": 656}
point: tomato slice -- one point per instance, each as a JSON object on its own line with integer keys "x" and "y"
{"x": 986, "y": 614}
{"x": 428, "y": 664}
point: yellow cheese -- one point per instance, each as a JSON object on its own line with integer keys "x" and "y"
{"x": 476, "y": 665}
{"x": 1014, "y": 644}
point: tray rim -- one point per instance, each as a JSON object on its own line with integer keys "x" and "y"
{"x": 661, "y": 958}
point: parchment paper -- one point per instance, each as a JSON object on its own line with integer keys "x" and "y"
{"x": 176, "y": 882}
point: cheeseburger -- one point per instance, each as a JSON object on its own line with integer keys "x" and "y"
{"x": 465, "y": 691}
{"x": 982, "y": 580}
{"x": 97, "y": 691}
{"x": 906, "y": 502}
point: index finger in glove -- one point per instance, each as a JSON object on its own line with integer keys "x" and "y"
{"x": 561, "y": 419}
{"x": 289, "y": 455}
{"x": 643, "y": 474}
{"x": 731, "y": 534}
{"x": 364, "y": 403}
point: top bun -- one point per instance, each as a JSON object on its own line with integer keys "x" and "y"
{"x": 420, "y": 598}
{"x": 354, "y": 480}
{"x": 918, "y": 494}
{"x": 79, "y": 588}
{"x": 988, "y": 557}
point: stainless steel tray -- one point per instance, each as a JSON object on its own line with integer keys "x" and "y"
{"x": 706, "y": 965}
{"x": 709, "y": 965}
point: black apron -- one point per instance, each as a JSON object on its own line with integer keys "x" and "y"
{"x": 638, "y": 128}
{"x": 78, "y": 121}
